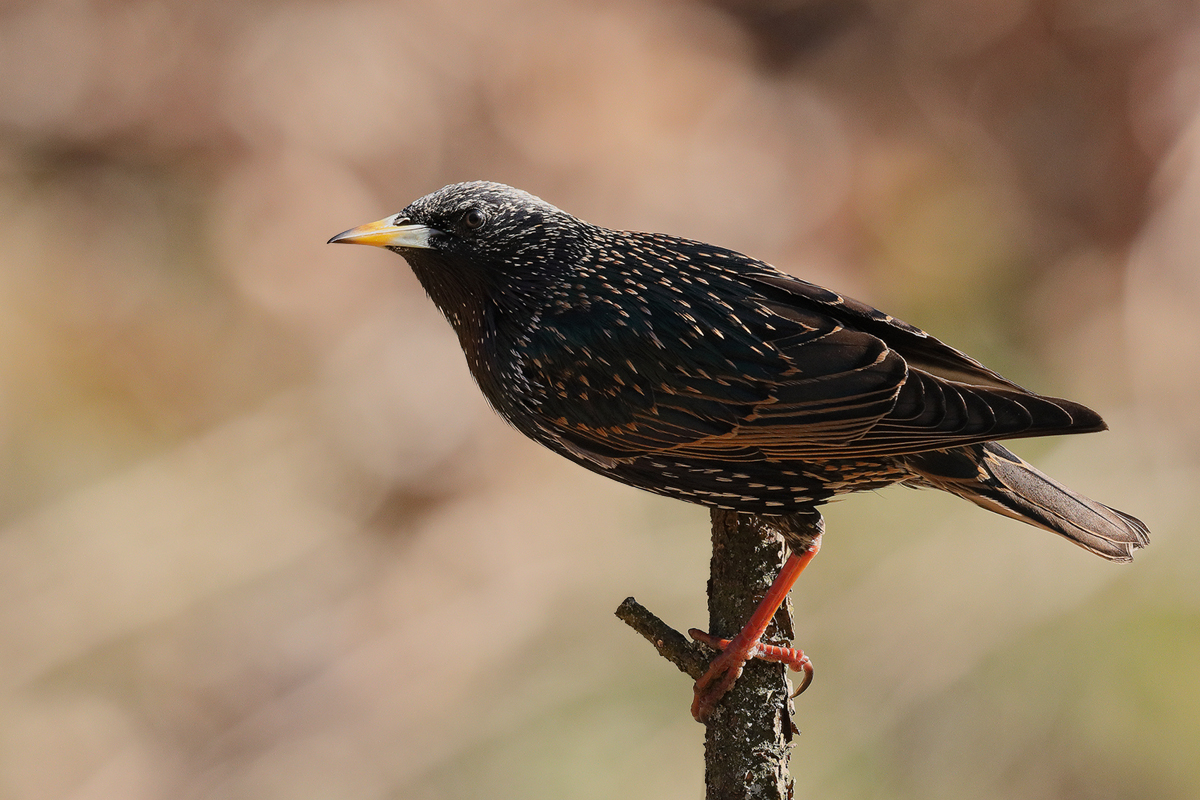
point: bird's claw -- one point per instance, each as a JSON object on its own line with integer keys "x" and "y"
{"x": 727, "y": 667}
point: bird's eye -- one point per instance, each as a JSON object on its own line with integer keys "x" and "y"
{"x": 473, "y": 219}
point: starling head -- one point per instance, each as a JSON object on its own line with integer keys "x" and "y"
{"x": 478, "y": 235}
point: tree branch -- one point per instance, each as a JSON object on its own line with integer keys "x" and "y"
{"x": 691, "y": 657}
{"x": 748, "y": 737}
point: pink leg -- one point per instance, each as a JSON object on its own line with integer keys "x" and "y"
{"x": 727, "y": 666}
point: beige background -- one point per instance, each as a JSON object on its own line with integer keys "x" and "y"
{"x": 260, "y": 537}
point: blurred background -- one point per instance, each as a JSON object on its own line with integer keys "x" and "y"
{"x": 260, "y": 536}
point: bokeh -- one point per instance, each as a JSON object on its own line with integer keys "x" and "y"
{"x": 260, "y": 536}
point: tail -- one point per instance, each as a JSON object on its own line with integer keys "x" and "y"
{"x": 992, "y": 477}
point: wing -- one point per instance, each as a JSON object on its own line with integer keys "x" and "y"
{"x": 948, "y": 398}
{"x": 920, "y": 350}
{"x": 758, "y": 365}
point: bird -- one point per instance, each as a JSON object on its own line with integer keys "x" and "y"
{"x": 699, "y": 373}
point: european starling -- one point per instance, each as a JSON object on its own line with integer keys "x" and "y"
{"x": 696, "y": 372}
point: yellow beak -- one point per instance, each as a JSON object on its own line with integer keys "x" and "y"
{"x": 394, "y": 231}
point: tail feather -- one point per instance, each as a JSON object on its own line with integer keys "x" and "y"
{"x": 992, "y": 477}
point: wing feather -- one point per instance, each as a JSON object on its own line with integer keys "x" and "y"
{"x": 803, "y": 374}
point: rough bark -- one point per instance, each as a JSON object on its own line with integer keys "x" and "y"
{"x": 748, "y": 738}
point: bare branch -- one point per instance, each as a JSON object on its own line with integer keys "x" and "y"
{"x": 691, "y": 657}
{"x": 748, "y": 737}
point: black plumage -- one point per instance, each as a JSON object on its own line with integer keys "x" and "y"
{"x": 700, "y": 373}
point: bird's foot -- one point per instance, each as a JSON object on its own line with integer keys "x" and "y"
{"x": 727, "y": 667}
